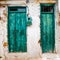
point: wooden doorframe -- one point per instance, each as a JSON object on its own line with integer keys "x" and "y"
{"x": 8, "y": 19}
{"x": 45, "y": 4}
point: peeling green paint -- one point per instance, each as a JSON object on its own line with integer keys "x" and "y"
{"x": 17, "y": 29}
{"x": 47, "y": 30}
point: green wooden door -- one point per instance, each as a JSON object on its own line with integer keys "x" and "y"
{"x": 17, "y": 30}
{"x": 47, "y": 28}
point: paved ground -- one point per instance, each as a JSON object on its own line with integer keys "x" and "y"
{"x": 44, "y": 57}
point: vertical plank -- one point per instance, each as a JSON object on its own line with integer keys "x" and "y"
{"x": 17, "y": 38}
{"x": 11, "y": 33}
{"x": 23, "y": 33}
{"x": 44, "y": 32}
{"x": 47, "y": 32}
{"x": 18, "y": 29}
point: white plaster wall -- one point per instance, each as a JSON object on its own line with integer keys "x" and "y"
{"x": 57, "y": 30}
{"x": 33, "y": 33}
{"x": 3, "y": 32}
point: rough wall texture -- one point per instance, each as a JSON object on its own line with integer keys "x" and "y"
{"x": 33, "y": 33}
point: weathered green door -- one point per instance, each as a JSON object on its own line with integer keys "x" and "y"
{"x": 47, "y": 28}
{"x": 17, "y": 39}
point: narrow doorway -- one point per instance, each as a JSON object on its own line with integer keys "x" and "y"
{"x": 17, "y": 38}
{"x": 47, "y": 27}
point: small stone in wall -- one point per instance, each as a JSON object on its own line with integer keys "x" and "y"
{"x": 0, "y": 57}
{"x": 5, "y": 44}
{"x": 39, "y": 41}
{"x": 2, "y": 5}
{"x": 0, "y": 18}
{"x": 59, "y": 23}
{"x": 4, "y": 13}
{"x": 59, "y": 20}
{"x": 37, "y": 1}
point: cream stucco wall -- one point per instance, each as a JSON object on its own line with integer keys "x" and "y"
{"x": 33, "y": 33}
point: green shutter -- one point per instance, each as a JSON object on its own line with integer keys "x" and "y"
{"x": 23, "y": 32}
{"x": 47, "y": 31}
{"x": 17, "y": 31}
{"x": 11, "y": 32}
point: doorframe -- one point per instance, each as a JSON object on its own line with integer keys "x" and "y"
{"x": 8, "y": 24}
{"x": 53, "y": 4}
